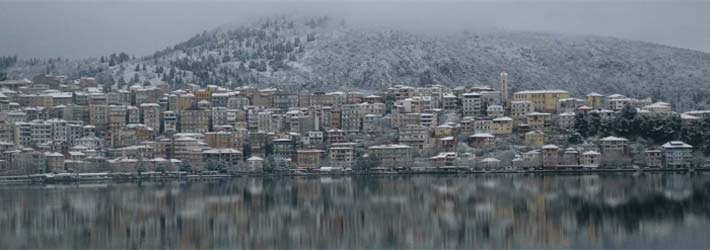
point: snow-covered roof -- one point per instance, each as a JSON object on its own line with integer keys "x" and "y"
{"x": 255, "y": 158}
{"x": 613, "y": 138}
{"x": 222, "y": 151}
{"x": 551, "y": 91}
{"x": 482, "y": 135}
{"x": 567, "y": 114}
{"x": 676, "y": 145}
{"x": 390, "y": 146}
{"x": 504, "y": 118}
{"x": 688, "y": 117}
{"x": 538, "y": 114}
{"x": 490, "y": 160}
{"x": 53, "y": 154}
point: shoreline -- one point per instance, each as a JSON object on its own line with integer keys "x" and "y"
{"x": 157, "y": 176}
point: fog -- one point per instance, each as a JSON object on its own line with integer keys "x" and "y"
{"x": 77, "y": 29}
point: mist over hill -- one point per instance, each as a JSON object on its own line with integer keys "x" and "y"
{"x": 327, "y": 54}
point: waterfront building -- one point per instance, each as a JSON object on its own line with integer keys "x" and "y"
{"x": 309, "y": 158}
{"x": 393, "y": 155}
{"x": 550, "y": 156}
{"x": 677, "y": 154}
{"x": 342, "y": 154}
{"x": 590, "y": 159}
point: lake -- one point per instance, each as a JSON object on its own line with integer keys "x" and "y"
{"x": 611, "y": 210}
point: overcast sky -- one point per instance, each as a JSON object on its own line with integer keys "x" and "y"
{"x": 78, "y": 29}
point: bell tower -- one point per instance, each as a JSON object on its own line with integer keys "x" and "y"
{"x": 504, "y": 88}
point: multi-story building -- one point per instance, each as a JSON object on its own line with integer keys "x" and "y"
{"x": 194, "y": 120}
{"x": 471, "y": 104}
{"x": 284, "y": 147}
{"x": 309, "y": 158}
{"x": 227, "y": 156}
{"x": 534, "y": 138}
{"x": 495, "y": 111}
{"x": 170, "y": 122}
{"x": 503, "y": 125}
{"x": 542, "y": 100}
{"x": 519, "y": 111}
{"x": 133, "y": 115}
{"x": 482, "y": 140}
{"x": 342, "y": 154}
{"x": 393, "y": 155}
{"x": 335, "y": 136}
{"x": 150, "y": 115}
{"x": 220, "y": 139}
{"x": 372, "y": 123}
{"x": 595, "y": 100}
{"x": 351, "y": 117}
{"x": 653, "y": 158}
{"x": 569, "y": 104}
{"x": 590, "y": 159}
{"x": 550, "y": 156}
{"x": 538, "y": 120}
{"x": 677, "y": 154}
{"x": 415, "y": 136}
{"x": 611, "y": 144}
{"x": 284, "y": 100}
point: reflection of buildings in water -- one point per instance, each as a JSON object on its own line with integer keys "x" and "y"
{"x": 677, "y": 187}
{"x": 492, "y": 211}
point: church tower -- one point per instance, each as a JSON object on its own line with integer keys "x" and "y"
{"x": 504, "y": 88}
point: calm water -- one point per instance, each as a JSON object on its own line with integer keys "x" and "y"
{"x": 469, "y": 211}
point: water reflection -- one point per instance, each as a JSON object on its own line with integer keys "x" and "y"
{"x": 494, "y": 211}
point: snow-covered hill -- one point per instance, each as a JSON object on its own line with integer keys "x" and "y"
{"x": 320, "y": 53}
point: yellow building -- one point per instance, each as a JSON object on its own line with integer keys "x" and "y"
{"x": 595, "y": 100}
{"x": 221, "y": 139}
{"x": 185, "y": 101}
{"x": 534, "y": 138}
{"x": 543, "y": 100}
{"x": 503, "y": 125}
{"x": 202, "y": 94}
{"x": 310, "y": 158}
{"x": 537, "y": 120}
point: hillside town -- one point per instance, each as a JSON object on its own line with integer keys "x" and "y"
{"x": 52, "y": 124}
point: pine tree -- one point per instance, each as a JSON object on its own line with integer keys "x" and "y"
{"x": 581, "y": 125}
{"x": 135, "y": 79}
{"x": 121, "y": 82}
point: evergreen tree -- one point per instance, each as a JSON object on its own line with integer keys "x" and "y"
{"x": 261, "y": 67}
{"x": 121, "y": 82}
{"x": 364, "y": 164}
{"x": 135, "y": 79}
{"x": 581, "y": 125}
{"x": 186, "y": 167}
{"x": 216, "y": 166}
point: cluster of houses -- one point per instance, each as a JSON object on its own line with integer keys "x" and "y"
{"x": 55, "y": 124}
